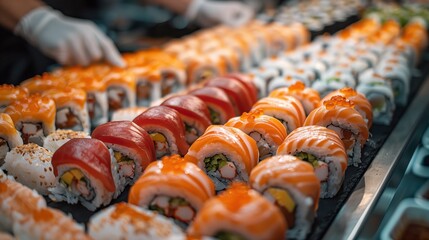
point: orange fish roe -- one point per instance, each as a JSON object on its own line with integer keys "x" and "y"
{"x": 297, "y": 87}
{"x": 338, "y": 101}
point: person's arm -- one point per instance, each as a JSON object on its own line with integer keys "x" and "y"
{"x": 12, "y": 11}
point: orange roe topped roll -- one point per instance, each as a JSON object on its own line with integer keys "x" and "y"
{"x": 34, "y": 117}
{"x": 239, "y": 212}
{"x": 10, "y": 93}
{"x": 43, "y": 82}
{"x": 173, "y": 187}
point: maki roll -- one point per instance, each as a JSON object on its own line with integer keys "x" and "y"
{"x": 172, "y": 187}
{"x": 56, "y": 139}
{"x": 332, "y": 80}
{"x": 9, "y": 136}
{"x": 49, "y": 224}
{"x": 267, "y": 131}
{"x": 194, "y": 113}
{"x": 10, "y": 93}
{"x": 285, "y": 81}
{"x": 247, "y": 82}
{"x": 399, "y": 76}
{"x": 309, "y": 98}
{"x": 126, "y": 221}
{"x": 31, "y": 165}
{"x": 225, "y": 153}
{"x": 218, "y": 103}
{"x": 288, "y": 110}
{"x": 41, "y": 83}
{"x": 325, "y": 151}
{"x": 16, "y": 201}
{"x": 292, "y": 185}
{"x": 232, "y": 215}
{"x": 166, "y": 129}
{"x": 84, "y": 173}
{"x": 72, "y": 112}
{"x": 362, "y": 105}
{"x": 127, "y": 113}
{"x": 379, "y": 93}
{"x": 132, "y": 148}
{"x": 262, "y": 77}
{"x": 339, "y": 115}
{"x": 34, "y": 118}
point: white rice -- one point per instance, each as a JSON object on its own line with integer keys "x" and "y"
{"x": 58, "y": 138}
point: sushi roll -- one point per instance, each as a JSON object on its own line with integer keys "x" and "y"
{"x": 56, "y": 139}
{"x": 309, "y": 98}
{"x": 9, "y": 136}
{"x": 238, "y": 94}
{"x": 379, "y": 93}
{"x": 10, "y": 93}
{"x": 267, "y": 131}
{"x": 172, "y": 187}
{"x": 31, "y": 165}
{"x": 399, "y": 76}
{"x": 121, "y": 89}
{"x": 262, "y": 77}
{"x": 34, "y": 118}
{"x": 332, "y": 80}
{"x": 218, "y": 103}
{"x": 194, "y": 113}
{"x": 84, "y": 172}
{"x": 325, "y": 151}
{"x": 166, "y": 129}
{"x": 132, "y": 148}
{"x": 200, "y": 68}
{"x": 16, "y": 202}
{"x": 41, "y": 83}
{"x": 127, "y": 113}
{"x": 231, "y": 215}
{"x": 288, "y": 110}
{"x": 285, "y": 81}
{"x": 338, "y": 114}
{"x": 72, "y": 112}
{"x": 292, "y": 185}
{"x": 248, "y": 83}
{"x": 49, "y": 224}
{"x": 281, "y": 65}
{"x": 226, "y": 154}
{"x": 362, "y": 105}
{"x": 126, "y": 221}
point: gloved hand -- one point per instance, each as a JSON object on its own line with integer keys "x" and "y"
{"x": 209, "y": 13}
{"x": 68, "y": 40}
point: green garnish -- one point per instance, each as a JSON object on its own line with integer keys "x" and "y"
{"x": 214, "y": 116}
{"x": 215, "y": 162}
{"x": 157, "y": 209}
{"x": 309, "y": 158}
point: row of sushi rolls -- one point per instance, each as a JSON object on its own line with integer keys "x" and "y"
{"x": 207, "y": 152}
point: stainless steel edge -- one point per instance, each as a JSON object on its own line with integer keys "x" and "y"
{"x": 357, "y": 208}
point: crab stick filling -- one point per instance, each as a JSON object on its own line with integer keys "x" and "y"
{"x": 347, "y": 136}
{"x": 66, "y": 119}
{"x": 161, "y": 144}
{"x": 31, "y": 131}
{"x": 191, "y": 133}
{"x": 219, "y": 163}
{"x": 126, "y": 165}
{"x": 321, "y": 168}
{"x": 173, "y": 207}
{"x": 284, "y": 201}
{"x": 76, "y": 182}
{"x": 263, "y": 146}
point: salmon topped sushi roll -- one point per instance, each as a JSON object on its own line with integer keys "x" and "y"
{"x": 9, "y": 136}
{"x": 267, "y": 131}
{"x": 10, "y": 93}
{"x": 172, "y": 187}
{"x": 309, "y": 98}
{"x": 194, "y": 113}
{"x": 166, "y": 129}
{"x": 34, "y": 118}
{"x": 362, "y": 105}
{"x": 239, "y": 213}
{"x": 72, "y": 111}
{"x": 339, "y": 114}
{"x": 292, "y": 185}
{"x": 218, "y": 103}
{"x": 325, "y": 151}
{"x": 41, "y": 83}
{"x": 225, "y": 154}
{"x": 288, "y": 110}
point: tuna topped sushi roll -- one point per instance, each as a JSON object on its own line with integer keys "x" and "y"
{"x": 126, "y": 221}
{"x": 172, "y": 187}
{"x": 322, "y": 148}
{"x": 72, "y": 112}
{"x": 225, "y": 153}
{"x": 339, "y": 115}
{"x": 31, "y": 165}
{"x": 84, "y": 173}
{"x": 267, "y": 131}
{"x": 132, "y": 148}
{"x": 34, "y": 118}
{"x": 166, "y": 129}
{"x": 239, "y": 213}
{"x": 194, "y": 113}
{"x": 10, "y": 93}
{"x": 9, "y": 136}
{"x": 56, "y": 139}
{"x": 292, "y": 185}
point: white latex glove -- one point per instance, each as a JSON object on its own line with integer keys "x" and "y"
{"x": 209, "y": 13}
{"x": 70, "y": 41}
